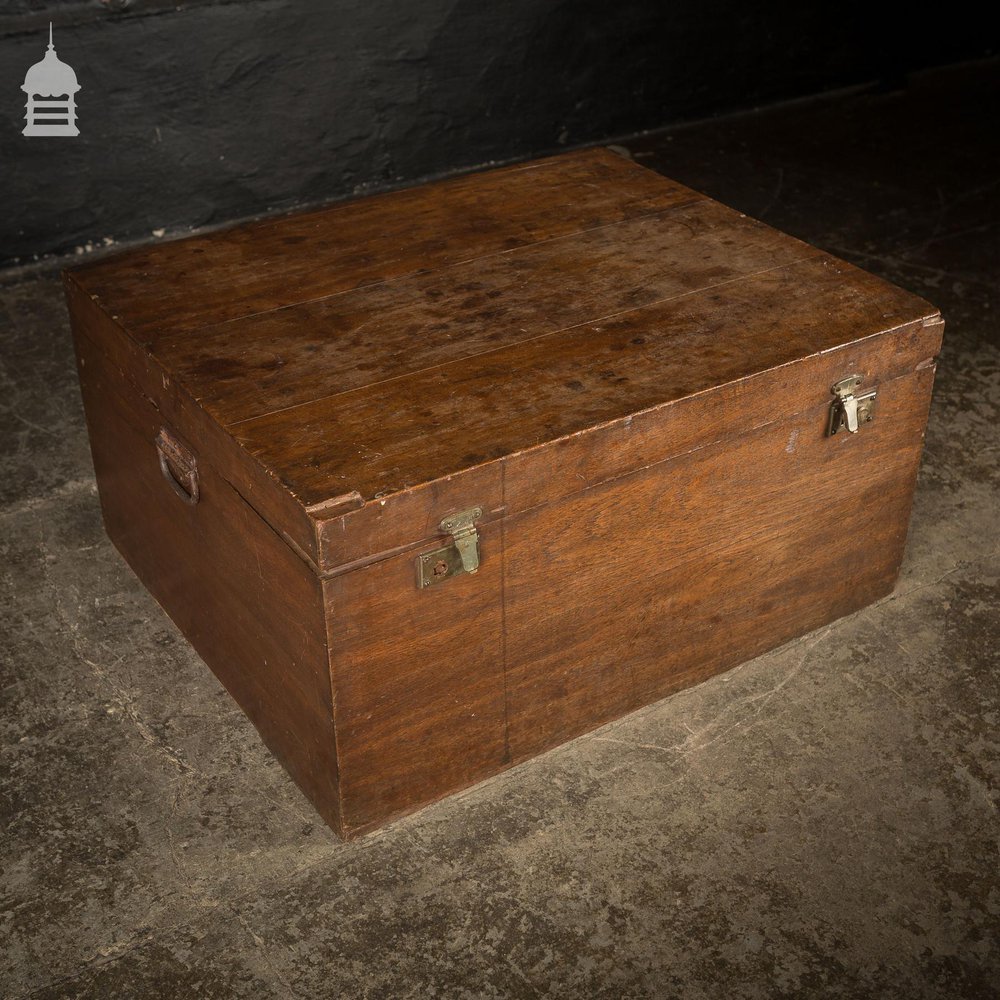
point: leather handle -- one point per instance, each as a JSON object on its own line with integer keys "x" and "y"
{"x": 179, "y": 467}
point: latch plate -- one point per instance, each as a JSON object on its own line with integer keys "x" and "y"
{"x": 851, "y": 408}
{"x": 461, "y": 555}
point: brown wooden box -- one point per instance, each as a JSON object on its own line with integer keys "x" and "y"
{"x": 630, "y": 382}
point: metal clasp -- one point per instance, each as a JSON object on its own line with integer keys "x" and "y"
{"x": 461, "y": 556}
{"x": 851, "y": 409}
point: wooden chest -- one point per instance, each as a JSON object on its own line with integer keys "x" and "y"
{"x": 438, "y": 479}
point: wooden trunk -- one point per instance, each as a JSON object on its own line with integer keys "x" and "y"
{"x": 629, "y": 387}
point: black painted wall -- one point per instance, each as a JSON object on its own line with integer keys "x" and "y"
{"x": 226, "y": 108}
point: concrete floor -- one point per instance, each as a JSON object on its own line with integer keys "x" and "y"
{"x": 819, "y": 822}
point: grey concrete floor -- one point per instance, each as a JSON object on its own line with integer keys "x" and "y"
{"x": 819, "y": 822}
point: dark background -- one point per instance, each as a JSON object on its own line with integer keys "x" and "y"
{"x": 196, "y": 113}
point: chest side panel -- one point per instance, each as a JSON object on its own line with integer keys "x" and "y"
{"x": 179, "y": 410}
{"x": 598, "y": 603}
{"x": 654, "y": 581}
{"x": 250, "y": 607}
{"x": 418, "y": 677}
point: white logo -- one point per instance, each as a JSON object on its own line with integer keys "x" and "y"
{"x": 51, "y": 88}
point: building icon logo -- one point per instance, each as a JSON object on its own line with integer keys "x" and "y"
{"x": 51, "y": 88}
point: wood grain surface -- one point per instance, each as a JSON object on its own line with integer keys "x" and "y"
{"x": 633, "y": 383}
{"x": 410, "y": 360}
{"x": 243, "y": 598}
{"x": 658, "y": 579}
{"x": 274, "y": 361}
{"x": 263, "y": 265}
{"x": 594, "y": 605}
{"x": 419, "y": 680}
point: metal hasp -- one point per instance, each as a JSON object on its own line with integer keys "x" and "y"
{"x": 851, "y": 409}
{"x": 461, "y": 556}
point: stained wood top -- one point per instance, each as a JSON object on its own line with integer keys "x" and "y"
{"x": 369, "y": 348}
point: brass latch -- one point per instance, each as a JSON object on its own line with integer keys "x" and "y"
{"x": 851, "y": 409}
{"x": 461, "y": 556}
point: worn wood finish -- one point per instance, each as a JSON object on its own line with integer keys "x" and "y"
{"x": 419, "y": 676}
{"x": 631, "y": 381}
{"x": 334, "y": 345}
{"x": 607, "y": 599}
{"x": 260, "y": 266}
{"x": 651, "y": 582}
{"x": 449, "y": 418}
{"x": 247, "y": 603}
{"x": 180, "y": 411}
